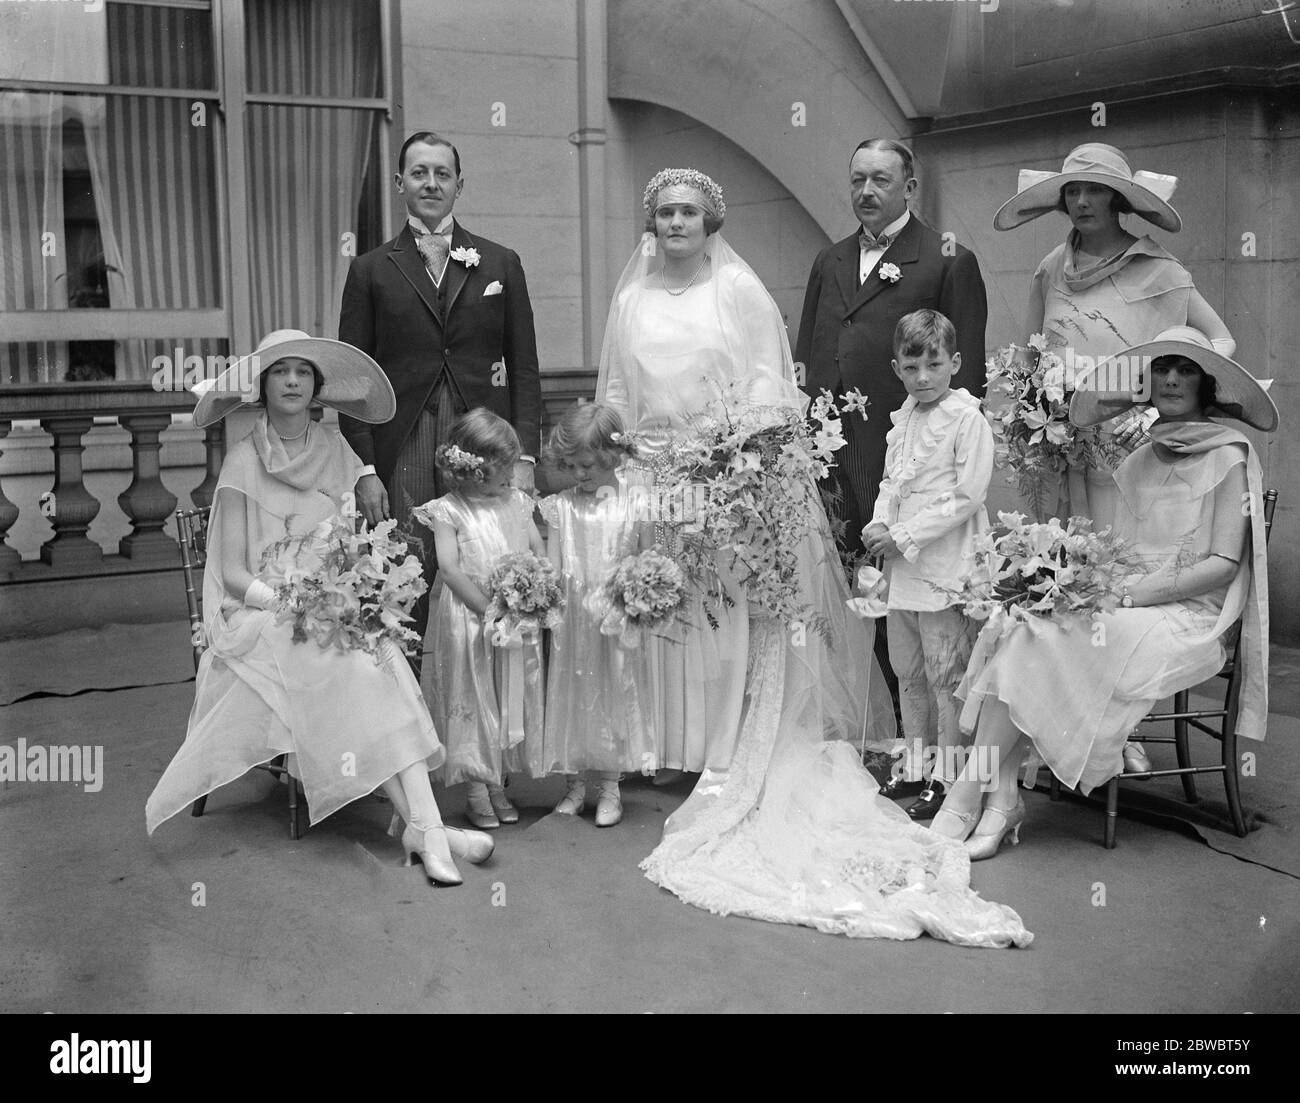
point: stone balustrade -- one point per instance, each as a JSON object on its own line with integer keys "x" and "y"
{"x": 68, "y": 411}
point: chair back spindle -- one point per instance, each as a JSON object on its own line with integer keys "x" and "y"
{"x": 192, "y": 535}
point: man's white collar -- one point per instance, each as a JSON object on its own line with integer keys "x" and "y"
{"x": 892, "y": 230}
{"x": 417, "y": 224}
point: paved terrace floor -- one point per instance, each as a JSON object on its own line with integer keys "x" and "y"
{"x": 99, "y": 917}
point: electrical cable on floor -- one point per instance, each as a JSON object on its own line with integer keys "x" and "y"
{"x": 37, "y": 694}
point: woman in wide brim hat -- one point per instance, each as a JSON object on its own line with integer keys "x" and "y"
{"x": 1191, "y": 517}
{"x": 1124, "y": 381}
{"x": 347, "y": 379}
{"x": 1105, "y": 288}
{"x": 258, "y": 693}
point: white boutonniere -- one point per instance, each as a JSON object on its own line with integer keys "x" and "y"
{"x": 468, "y": 257}
{"x": 888, "y": 272}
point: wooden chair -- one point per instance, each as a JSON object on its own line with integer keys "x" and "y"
{"x": 1184, "y": 719}
{"x": 192, "y": 534}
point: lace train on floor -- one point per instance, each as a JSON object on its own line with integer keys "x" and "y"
{"x": 796, "y": 832}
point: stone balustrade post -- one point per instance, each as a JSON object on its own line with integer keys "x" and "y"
{"x": 147, "y": 502}
{"x": 214, "y": 449}
{"x": 73, "y": 506}
{"x": 10, "y": 560}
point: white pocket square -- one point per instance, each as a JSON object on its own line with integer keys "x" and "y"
{"x": 494, "y": 288}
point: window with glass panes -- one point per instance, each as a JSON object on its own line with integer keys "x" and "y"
{"x": 179, "y": 177}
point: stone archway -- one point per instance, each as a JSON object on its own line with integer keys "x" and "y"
{"x": 742, "y": 67}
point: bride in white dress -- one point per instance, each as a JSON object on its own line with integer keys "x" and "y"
{"x": 788, "y": 827}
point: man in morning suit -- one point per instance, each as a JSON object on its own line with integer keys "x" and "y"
{"x": 447, "y": 316}
{"x": 857, "y": 291}
{"x": 846, "y": 333}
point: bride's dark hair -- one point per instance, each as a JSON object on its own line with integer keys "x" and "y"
{"x": 712, "y": 223}
{"x": 711, "y": 201}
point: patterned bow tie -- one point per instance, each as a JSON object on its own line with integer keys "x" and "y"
{"x": 882, "y": 242}
{"x": 434, "y": 248}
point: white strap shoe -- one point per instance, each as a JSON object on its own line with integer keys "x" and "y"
{"x": 573, "y": 801}
{"x": 609, "y": 805}
{"x": 506, "y": 812}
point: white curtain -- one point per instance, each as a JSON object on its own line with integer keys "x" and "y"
{"x": 47, "y": 42}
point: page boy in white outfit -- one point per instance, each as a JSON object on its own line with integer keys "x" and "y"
{"x": 938, "y": 463}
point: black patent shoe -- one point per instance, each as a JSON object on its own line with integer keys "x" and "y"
{"x": 927, "y": 804}
{"x": 896, "y": 788}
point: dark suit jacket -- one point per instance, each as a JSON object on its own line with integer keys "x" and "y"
{"x": 846, "y": 333}
{"x": 389, "y": 311}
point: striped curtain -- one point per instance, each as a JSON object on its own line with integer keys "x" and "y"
{"x": 153, "y": 181}
{"x": 306, "y": 165}
{"x": 154, "y": 174}
{"x": 158, "y": 187}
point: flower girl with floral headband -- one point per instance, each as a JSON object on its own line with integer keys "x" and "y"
{"x": 596, "y": 717}
{"x": 484, "y": 685}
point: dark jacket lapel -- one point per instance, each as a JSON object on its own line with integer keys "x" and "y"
{"x": 905, "y": 250}
{"x": 846, "y": 270}
{"x": 407, "y": 257}
{"x": 457, "y": 272}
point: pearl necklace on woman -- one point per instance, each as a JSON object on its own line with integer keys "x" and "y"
{"x": 296, "y": 436}
{"x": 663, "y": 278}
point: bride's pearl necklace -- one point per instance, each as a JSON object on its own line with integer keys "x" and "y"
{"x": 664, "y": 279}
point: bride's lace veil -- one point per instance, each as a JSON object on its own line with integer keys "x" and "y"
{"x": 833, "y": 687}
{"x": 753, "y": 332}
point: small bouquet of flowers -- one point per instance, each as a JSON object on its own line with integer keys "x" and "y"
{"x": 757, "y": 466}
{"x": 346, "y": 585}
{"x": 645, "y": 592}
{"x": 1025, "y": 572}
{"x": 1034, "y": 436}
{"x": 524, "y": 596}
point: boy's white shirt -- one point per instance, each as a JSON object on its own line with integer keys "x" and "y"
{"x": 932, "y": 497}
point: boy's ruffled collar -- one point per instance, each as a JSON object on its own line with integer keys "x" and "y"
{"x": 934, "y": 428}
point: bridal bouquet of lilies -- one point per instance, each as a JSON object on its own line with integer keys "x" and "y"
{"x": 758, "y": 466}
{"x": 1032, "y": 429}
{"x": 646, "y": 592}
{"x": 524, "y": 596}
{"x": 1025, "y": 572}
{"x": 346, "y": 585}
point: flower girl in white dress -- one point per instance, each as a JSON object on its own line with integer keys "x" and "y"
{"x": 484, "y": 698}
{"x": 596, "y": 714}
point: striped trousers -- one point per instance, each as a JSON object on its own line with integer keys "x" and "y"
{"x": 416, "y": 479}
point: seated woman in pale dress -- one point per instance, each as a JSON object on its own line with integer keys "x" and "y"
{"x": 351, "y": 723}
{"x": 789, "y": 827}
{"x": 1190, "y": 511}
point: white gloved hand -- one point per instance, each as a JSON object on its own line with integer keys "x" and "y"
{"x": 259, "y": 595}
